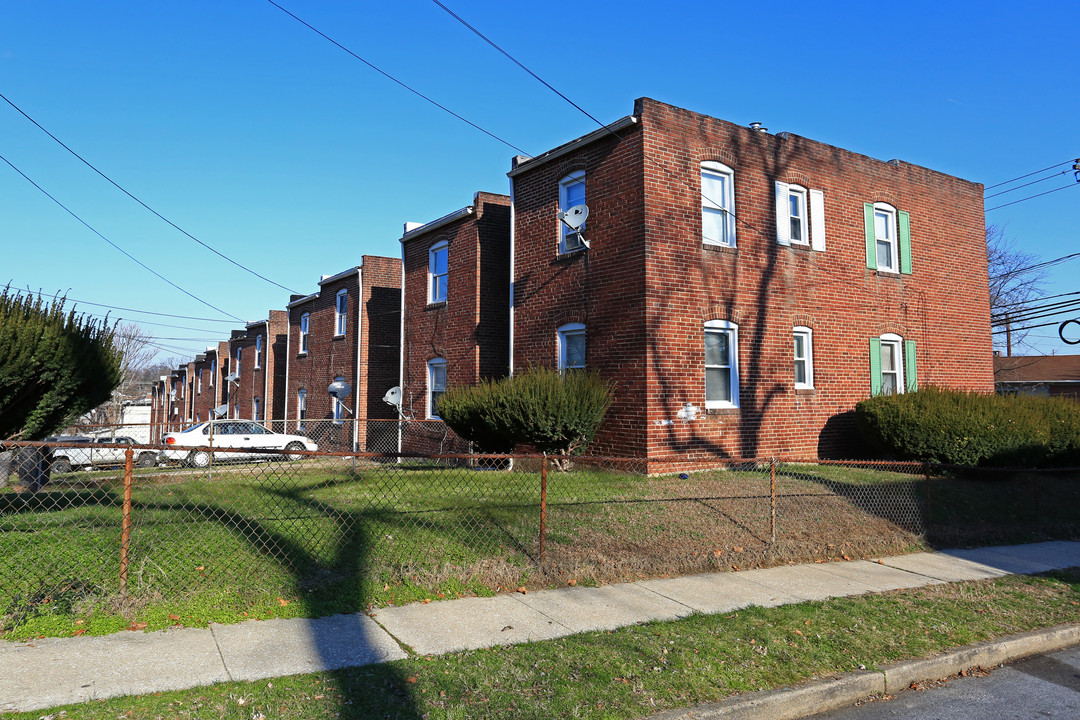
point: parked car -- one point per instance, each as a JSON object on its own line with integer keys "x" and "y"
{"x": 242, "y": 434}
{"x": 79, "y": 451}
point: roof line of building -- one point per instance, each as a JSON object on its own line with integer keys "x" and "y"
{"x": 437, "y": 223}
{"x": 522, "y": 163}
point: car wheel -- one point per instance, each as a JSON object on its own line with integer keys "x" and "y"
{"x": 294, "y": 446}
{"x": 199, "y": 459}
{"x": 61, "y": 465}
{"x": 147, "y": 459}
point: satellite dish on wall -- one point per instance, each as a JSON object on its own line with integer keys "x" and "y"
{"x": 575, "y": 216}
{"x": 339, "y": 389}
{"x": 393, "y": 396}
{"x": 231, "y": 377}
{"x": 220, "y": 410}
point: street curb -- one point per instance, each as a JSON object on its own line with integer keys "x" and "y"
{"x": 824, "y": 695}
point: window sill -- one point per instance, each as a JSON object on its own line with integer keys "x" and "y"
{"x": 435, "y": 305}
{"x": 301, "y": 354}
{"x": 805, "y": 391}
{"x": 713, "y": 247}
{"x": 568, "y": 254}
{"x": 339, "y": 336}
{"x": 722, "y": 411}
{"x": 888, "y": 273}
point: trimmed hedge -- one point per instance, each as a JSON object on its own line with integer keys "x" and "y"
{"x": 973, "y": 429}
{"x": 553, "y": 412}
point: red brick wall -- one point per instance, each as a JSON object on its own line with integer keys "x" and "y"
{"x": 379, "y": 352}
{"x": 652, "y": 284}
{"x": 469, "y": 329}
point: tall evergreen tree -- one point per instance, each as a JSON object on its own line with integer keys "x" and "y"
{"x": 55, "y": 365}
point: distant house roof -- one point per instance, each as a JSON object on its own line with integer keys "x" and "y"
{"x": 1037, "y": 369}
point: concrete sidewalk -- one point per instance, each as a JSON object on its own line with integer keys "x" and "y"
{"x": 57, "y": 671}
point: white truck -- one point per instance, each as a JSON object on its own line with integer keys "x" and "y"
{"x": 98, "y": 452}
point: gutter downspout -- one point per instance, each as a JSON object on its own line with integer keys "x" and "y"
{"x": 288, "y": 346}
{"x": 513, "y": 225}
{"x": 401, "y": 354}
{"x": 359, "y": 345}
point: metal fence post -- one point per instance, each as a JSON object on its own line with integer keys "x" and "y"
{"x": 929, "y": 504}
{"x": 125, "y": 525}
{"x": 543, "y": 503}
{"x": 772, "y": 499}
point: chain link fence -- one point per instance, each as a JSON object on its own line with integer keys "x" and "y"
{"x": 340, "y": 530}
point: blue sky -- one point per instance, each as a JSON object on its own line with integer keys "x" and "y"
{"x": 281, "y": 151}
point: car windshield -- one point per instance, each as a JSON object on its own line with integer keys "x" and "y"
{"x": 193, "y": 428}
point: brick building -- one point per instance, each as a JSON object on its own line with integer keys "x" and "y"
{"x": 744, "y": 289}
{"x": 1057, "y": 375}
{"x": 454, "y": 310}
{"x": 346, "y": 332}
{"x": 257, "y": 363}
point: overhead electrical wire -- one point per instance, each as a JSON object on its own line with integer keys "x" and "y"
{"x": 1032, "y": 197}
{"x": 131, "y": 257}
{"x": 388, "y": 76}
{"x": 1033, "y": 182}
{"x": 140, "y": 202}
{"x": 127, "y": 309}
{"x": 1046, "y": 263}
{"x": 1036, "y": 172}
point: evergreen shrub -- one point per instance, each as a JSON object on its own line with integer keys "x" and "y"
{"x": 553, "y": 412}
{"x": 973, "y": 429}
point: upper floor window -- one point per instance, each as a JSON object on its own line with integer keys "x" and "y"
{"x": 888, "y": 238}
{"x": 198, "y": 387}
{"x": 804, "y": 358}
{"x": 213, "y": 372}
{"x": 257, "y": 403}
{"x": 800, "y": 216}
{"x": 571, "y": 193}
{"x": 798, "y": 232}
{"x": 438, "y": 270}
{"x": 717, "y": 204}
{"x": 341, "y": 307}
{"x": 238, "y": 366}
{"x": 301, "y": 404}
{"x": 571, "y": 346}
{"x": 305, "y": 321}
{"x": 892, "y": 365}
{"x": 436, "y": 385}
{"x": 258, "y": 351}
{"x": 721, "y": 364}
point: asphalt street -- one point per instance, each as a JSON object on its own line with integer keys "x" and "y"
{"x": 1043, "y": 687}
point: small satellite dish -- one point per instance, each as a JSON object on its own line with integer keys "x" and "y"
{"x": 220, "y": 410}
{"x": 231, "y": 377}
{"x": 393, "y": 396}
{"x": 575, "y": 216}
{"x": 172, "y": 394}
{"x": 339, "y": 389}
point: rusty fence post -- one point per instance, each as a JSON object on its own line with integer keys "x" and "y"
{"x": 772, "y": 499}
{"x": 125, "y": 525}
{"x": 543, "y": 504}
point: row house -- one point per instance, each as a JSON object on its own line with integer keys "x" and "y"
{"x": 743, "y": 290}
{"x": 342, "y": 356}
{"x": 454, "y": 312}
{"x": 256, "y": 387}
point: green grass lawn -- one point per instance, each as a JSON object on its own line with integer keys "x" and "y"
{"x": 634, "y": 671}
{"x": 314, "y": 538}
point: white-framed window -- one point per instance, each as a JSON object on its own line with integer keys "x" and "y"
{"x": 301, "y": 404}
{"x": 337, "y": 405}
{"x": 257, "y": 402}
{"x": 798, "y": 225}
{"x": 213, "y": 371}
{"x": 341, "y": 312}
{"x": 570, "y": 339}
{"x": 571, "y": 193}
{"x": 258, "y": 351}
{"x": 305, "y": 323}
{"x": 238, "y": 365}
{"x": 892, "y": 365}
{"x": 198, "y": 386}
{"x": 885, "y": 239}
{"x": 436, "y": 385}
{"x": 800, "y": 216}
{"x": 717, "y": 204}
{"x": 721, "y": 364}
{"x": 804, "y": 357}
{"x": 438, "y": 271}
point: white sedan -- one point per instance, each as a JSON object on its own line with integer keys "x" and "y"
{"x": 192, "y": 445}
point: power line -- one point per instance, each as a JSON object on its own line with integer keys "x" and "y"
{"x": 120, "y": 249}
{"x": 388, "y": 76}
{"x": 152, "y": 210}
{"x": 1033, "y": 182}
{"x": 1036, "y": 172}
{"x": 1047, "y": 263}
{"x": 126, "y": 309}
{"x": 1046, "y": 297}
{"x": 1031, "y": 197}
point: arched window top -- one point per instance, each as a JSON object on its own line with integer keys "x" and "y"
{"x": 716, "y": 166}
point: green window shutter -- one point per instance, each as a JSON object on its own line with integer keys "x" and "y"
{"x": 910, "y": 376}
{"x": 871, "y": 239}
{"x": 904, "y": 220}
{"x": 875, "y": 365}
